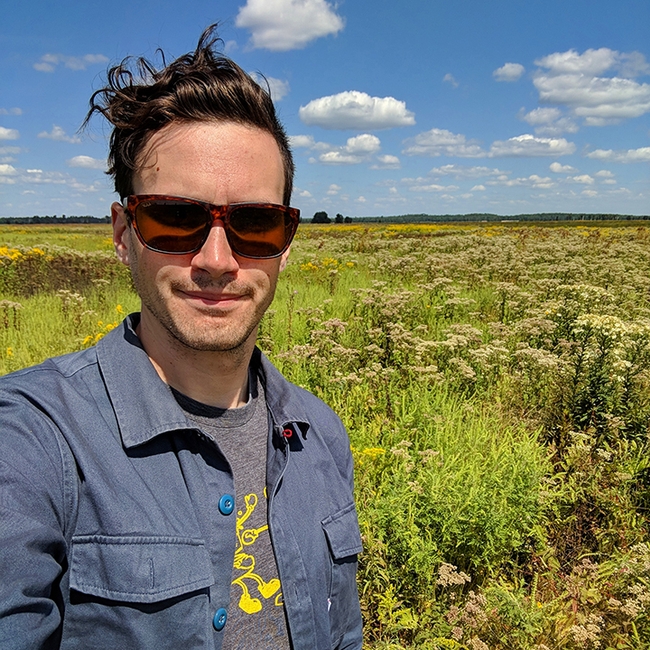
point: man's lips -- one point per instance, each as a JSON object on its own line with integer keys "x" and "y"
{"x": 213, "y": 298}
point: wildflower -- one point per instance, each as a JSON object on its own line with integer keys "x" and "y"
{"x": 10, "y": 352}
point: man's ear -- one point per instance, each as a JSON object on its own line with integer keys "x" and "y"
{"x": 121, "y": 233}
{"x": 284, "y": 258}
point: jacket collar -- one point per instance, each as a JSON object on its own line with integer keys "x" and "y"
{"x": 144, "y": 405}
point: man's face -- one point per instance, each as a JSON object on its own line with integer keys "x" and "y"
{"x": 211, "y": 300}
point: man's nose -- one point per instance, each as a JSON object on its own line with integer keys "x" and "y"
{"x": 216, "y": 256}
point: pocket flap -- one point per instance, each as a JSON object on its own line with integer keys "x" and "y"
{"x": 139, "y": 569}
{"x": 342, "y": 531}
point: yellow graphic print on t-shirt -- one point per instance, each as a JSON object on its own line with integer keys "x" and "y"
{"x": 245, "y": 562}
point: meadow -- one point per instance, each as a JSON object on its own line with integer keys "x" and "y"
{"x": 495, "y": 382}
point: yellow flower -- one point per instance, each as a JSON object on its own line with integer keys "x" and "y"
{"x": 119, "y": 309}
{"x": 10, "y": 352}
{"x": 373, "y": 452}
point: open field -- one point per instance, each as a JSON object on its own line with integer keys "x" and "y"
{"x": 495, "y": 381}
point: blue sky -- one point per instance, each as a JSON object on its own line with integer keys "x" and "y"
{"x": 424, "y": 106}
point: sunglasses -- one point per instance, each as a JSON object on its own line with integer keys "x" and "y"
{"x": 177, "y": 226}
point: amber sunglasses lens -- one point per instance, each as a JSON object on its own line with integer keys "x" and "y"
{"x": 182, "y": 226}
{"x": 259, "y": 231}
{"x": 172, "y": 226}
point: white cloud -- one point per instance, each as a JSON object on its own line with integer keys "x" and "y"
{"x": 433, "y": 187}
{"x": 509, "y": 72}
{"x": 450, "y": 79}
{"x": 11, "y": 111}
{"x": 49, "y": 62}
{"x": 58, "y": 134}
{"x": 575, "y": 80}
{"x": 604, "y": 173}
{"x": 529, "y": 145}
{"x": 278, "y": 88}
{"x": 333, "y": 189}
{"x": 630, "y": 156}
{"x": 438, "y": 142}
{"x": 534, "y": 180}
{"x": 387, "y": 161}
{"x": 459, "y": 171}
{"x": 585, "y": 179}
{"x": 301, "y": 141}
{"x": 305, "y": 194}
{"x": 8, "y": 150}
{"x": 7, "y": 170}
{"x": 353, "y": 109}
{"x": 595, "y": 62}
{"x": 356, "y": 150}
{"x": 549, "y": 121}
{"x": 8, "y": 134}
{"x": 478, "y": 188}
{"x": 281, "y": 25}
{"x": 339, "y": 158}
{"x": 86, "y": 162}
{"x": 363, "y": 144}
{"x": 557, "y": 168}
{"x": 361, "y": 199}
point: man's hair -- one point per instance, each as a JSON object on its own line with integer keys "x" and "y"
{"x": 200, "y": 86}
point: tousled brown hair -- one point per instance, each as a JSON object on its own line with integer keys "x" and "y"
{"x": 200, "y": 86}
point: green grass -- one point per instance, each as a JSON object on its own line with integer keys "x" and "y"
{"x": 494, "y": 380}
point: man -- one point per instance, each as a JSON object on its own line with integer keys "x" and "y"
{"x": 169, "y": 488}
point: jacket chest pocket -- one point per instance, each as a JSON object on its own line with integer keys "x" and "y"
{"x": 138, "y": 592}
{"x": 344, "y": 541}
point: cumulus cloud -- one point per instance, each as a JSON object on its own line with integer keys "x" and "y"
{"x": 86, "y": 162}
{"x": 449, "y": 78}
{"x": 460, "y": 171}
{"x": 584, "y": 179}
{"x": 604, "y": 173}
{"x": 50, "y": 62}
{"x": 9, "y": 150}
{"x": 549, "y": 121}
{"x": 534, "y": 180}
{"x": 386, "y": 161}
{"x": 7, "y": 170}
{"x": 11, "y": 111}
{"x": 432, "y": 187}
{"x": 557, "y": 168}
{"x": 363, "y": 144}
{"x": 356, "y": 150}
{"x": 333, "y": 189}
{"x": 278, "y": 88}
{"x": 58, "y": 134}
{"x": 356, "y": 110}
{"x": 529, "y": 145}
{"x": 509, "y": 72}
{"x": 630, "y": 156}
{"x": 281, "y": 25}
{"x": 439, "y": 142}
{"x": 577, "y": 81}
{"x": 8, "y": 134}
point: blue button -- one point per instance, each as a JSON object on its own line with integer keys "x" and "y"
{"x": 226, "y": 505}
{"x": 219, "y": 620}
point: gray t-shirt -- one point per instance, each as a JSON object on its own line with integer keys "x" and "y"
{"x": 256, "y": 617}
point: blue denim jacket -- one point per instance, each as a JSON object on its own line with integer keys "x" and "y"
{"x": 112, "y": 530}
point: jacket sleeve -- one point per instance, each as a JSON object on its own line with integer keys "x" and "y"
{"x": 32, "y": 521}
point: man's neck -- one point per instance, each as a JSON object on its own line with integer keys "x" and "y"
{"x": 213, "y": 378}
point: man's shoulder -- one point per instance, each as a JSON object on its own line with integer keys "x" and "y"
{"x": 43, "y": 376}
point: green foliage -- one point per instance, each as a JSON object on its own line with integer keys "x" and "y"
{"x": 320, "y": 217}
{"x": 495, "y": 383}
